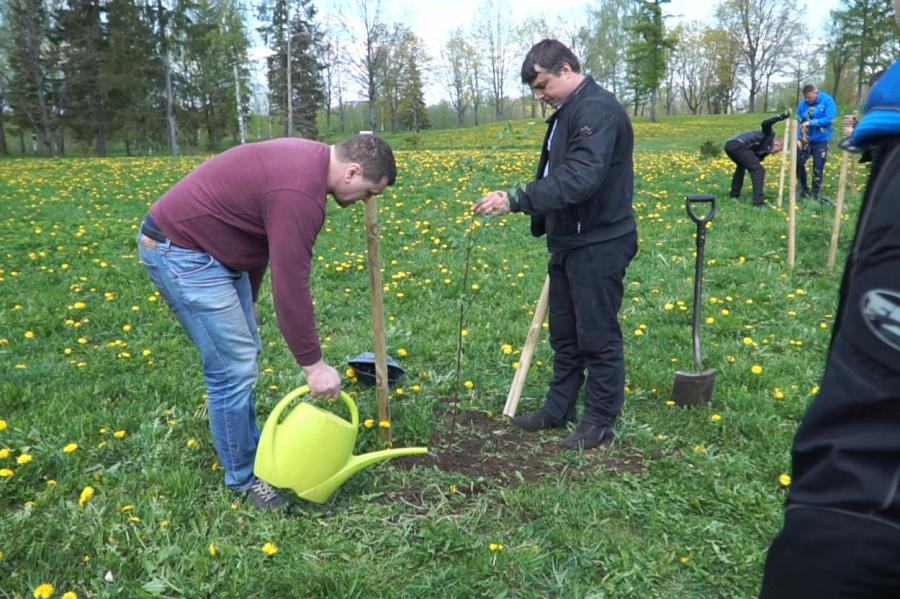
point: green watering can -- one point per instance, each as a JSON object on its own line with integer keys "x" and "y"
{"x": 310, "y": 450}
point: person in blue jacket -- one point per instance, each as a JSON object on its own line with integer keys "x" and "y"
{"x": 815, "y": 112}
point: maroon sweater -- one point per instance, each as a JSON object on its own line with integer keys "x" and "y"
{"x": 255, "y": 205}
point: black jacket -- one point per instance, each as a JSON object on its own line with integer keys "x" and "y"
{"x": 759, "y": 140}
{"x": 586, "y": 196}
{"x": 846, "y": 453}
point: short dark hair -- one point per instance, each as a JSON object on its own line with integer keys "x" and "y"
{"x": 372, "y": 153}
{"x": 550, "y": 55}
{"x": 809, "y": 88}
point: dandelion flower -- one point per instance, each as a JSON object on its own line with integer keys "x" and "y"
{"x": 507, "y": 348}
{"x": 119, "y": 434}
{"x": 778, "y": 393}
{"x": 192, "y": 442}
{"x": 496, "y": 547}
{"x": 23, "y": 459}
{"x": 270, "y": 549}
{"x": 43, "y": 591}
{"x": 213, "y": 550}
{"x": 5, "y": 473}
{"x": 469, "y": 385}
{"x": 756, "y": 369}
{"x": 784, "y": 480}
{"x": 684, "y": 559}
{"x": 3, "y": 424}
{"x": 69, "y": 595}
{"x": 384, "y": 423}
{"x": 402, "y": 352}
{"x": 369, "y": 423}
{"x": 86, "y": 495}
{"x": 70, "y": 448}
{"x": 715, "y": 418}
{"x": 29, "y": 334}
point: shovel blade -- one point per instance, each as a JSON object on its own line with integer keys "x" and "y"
{"x": 693, "y": 388}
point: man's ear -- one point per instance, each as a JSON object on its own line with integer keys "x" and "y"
{"x": 351, "y": 170}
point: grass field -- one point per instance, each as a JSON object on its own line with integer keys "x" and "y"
{"x": 109, "y": 485}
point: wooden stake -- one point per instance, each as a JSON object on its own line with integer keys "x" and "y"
{"x": 784, "y": 157}
{"x": 373, "y": 254}
{"x": 838, "y": 209}
{"x": 531, "y": 339}
{"x": 792, "y": 199}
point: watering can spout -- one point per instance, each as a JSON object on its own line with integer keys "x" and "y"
{"x": 321, "y": 492}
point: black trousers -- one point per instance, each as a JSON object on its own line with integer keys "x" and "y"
{"x": 818, "y": 150}
{"x": 821, "y": 553}
{"x": 586, "y": 288}
{"x": 745, "y": 160}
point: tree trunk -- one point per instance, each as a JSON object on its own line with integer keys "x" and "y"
{"x": 167, "y": 72}
{"x": 4, "y": 149}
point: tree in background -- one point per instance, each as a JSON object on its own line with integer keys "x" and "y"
{"x": 607, "y": 44}
{"x": 647, "y": 52}
{"x": 871, "y": 33}
{"x": 456, "y": 53}
{"x": 838, "y": 52}
{"x": 291, "y": 31}
{"x": 31, "y": 62}
{"x": 763, "y": 31}
{"x": 494, "y": 35}
{"x": 725, "y": 51}
{"x": 693, "y": 63}
{"x": 414, "y": 59}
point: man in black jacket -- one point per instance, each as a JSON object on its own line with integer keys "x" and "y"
{"x": 747, "y": 150}
{"x": 581, "y": 199}
{"x": 841, "y": 533}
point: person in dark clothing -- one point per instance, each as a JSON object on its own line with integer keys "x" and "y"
{"x": 747, "y": 150}
{"x": 206, "y": 245}
{"x": 581, "y": 199}
{"x": 841, "y": 533}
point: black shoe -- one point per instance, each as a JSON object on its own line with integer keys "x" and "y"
{"x": 588, "y": 436}
{"x": 538, "y": 420}
{"x": 734, "y": 196}
{"x": 264, "y": 496}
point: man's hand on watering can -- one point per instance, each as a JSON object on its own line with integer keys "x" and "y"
{"x": 323, "y": 380}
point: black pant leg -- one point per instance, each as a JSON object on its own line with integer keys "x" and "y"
{"x": 819, "y": 151}
{"x": 568, "y": 364}
{"x": 745, "y": 159}
{"x": 802, "y": 157}
{"x": 596, "y": 278}
{"x": 822, "y": 553}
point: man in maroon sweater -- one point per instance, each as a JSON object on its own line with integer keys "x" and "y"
{"x": 206, "y": 244}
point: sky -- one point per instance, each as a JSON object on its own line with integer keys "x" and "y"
{"x": 434, "y": 20}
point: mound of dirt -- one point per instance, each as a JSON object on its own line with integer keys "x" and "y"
{"x": 490, "y": 452}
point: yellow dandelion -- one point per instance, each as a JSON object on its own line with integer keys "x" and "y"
{"x": 270, "y": 549}
{"x": 670, "y": 402}
{"x": 4, "y": 453}
{"x": 384, "y": 423}
{"x": 3, "y": 424}
{"x": 69, "y": 595}
{"x": 23, "y": 459}
{"x": 5, "y": 472}
{"x": 748, "y": 341}
{"x": 638, "y": 333}
{"x": 369, "y": 423}
{"x": 86, "y": 494}
{"x": 350, "y": 373}
{"x": 506, "y": 348}
{"x": 495, "y": 547}
{"x": 684, "y": 559}
{"x": 778, "y": 393}
{"x": 192, "y": 442}
{"x": 784, "y": 480}
{"x": 213, "y": 550}
{"x": 402, "y": 352}
{"x": 43, "y": 591}
{"x": 70, "y": 448}
{"x": 715, "y": 418}
{"x": 756, "y": 369}
{"x": 120, "y": 434}
{"x": 29, "y": 334}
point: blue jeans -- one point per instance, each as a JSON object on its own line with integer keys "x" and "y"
{"x": 214, "y": 305}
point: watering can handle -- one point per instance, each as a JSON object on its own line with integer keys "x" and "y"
{"x": 286, "y": 400}
{"x": 701, "y": 199}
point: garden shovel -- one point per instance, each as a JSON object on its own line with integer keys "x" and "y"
{"x": 692, "y": 388}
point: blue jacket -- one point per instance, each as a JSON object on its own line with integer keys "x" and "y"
{"x": 820, "y": 114}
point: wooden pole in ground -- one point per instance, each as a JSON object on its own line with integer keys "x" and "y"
{"x": 784, "y": 157}
{"x": 838, "y": 209}
{"x": 373, "y": 253}
{"x": 792, "y": 199}
{"x": 531, "y": 339}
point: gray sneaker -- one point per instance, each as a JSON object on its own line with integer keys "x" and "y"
{"x": 264, "y": 496}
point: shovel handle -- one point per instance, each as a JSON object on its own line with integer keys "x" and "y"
{"x": 303, "y": 390}
{"x": 701, "y": 199}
